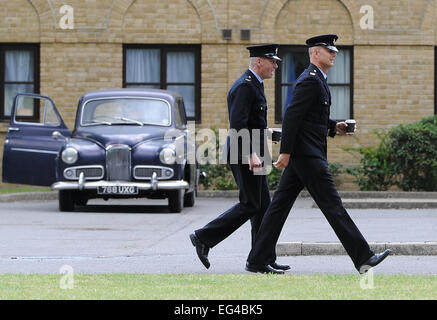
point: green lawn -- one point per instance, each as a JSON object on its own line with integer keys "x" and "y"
{"x": 218, "y": 287}
{"x": 24, "y": 189}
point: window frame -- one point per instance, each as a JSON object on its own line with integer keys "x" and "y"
{"x": 279, "y": 85}
{"x": 35, "y": 48}
{"x": 164, "y": 49}
{"x": 435, "y": 80}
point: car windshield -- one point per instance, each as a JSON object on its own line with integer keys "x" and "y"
{"x": 135, "y": 111}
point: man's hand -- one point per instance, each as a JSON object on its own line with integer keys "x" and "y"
{"x": 282, "y": 161}
{"x": 254, "y": 162}
{"x": 341, "y": 129}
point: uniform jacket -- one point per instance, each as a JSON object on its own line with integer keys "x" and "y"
{"x": 306, "y": 122}
{"x": 247, "y": 107}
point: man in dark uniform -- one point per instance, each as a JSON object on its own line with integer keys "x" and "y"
{"x": 303, "y": 154}
{"x": 244, "y": 150}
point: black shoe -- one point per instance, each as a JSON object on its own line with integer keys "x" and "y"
{"x": 374, "y": 260}
{"x": 278, "y": 266}
{"x": 262, "y": 269}
{"x": 201, "y": 249}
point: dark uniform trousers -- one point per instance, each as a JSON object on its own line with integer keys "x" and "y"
{"x": 254, "y": 200}
{"x": 305, "y": 127}
{"x": 247, "y": 110}
{"x": 312, "y": 173}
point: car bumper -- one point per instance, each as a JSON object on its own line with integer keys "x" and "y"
{"x": 93, "y": 185}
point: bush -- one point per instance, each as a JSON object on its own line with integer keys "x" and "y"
{"x": 219, "y": 176}
{"x": 415, "y": 152}
{"x": 406, "y": 157}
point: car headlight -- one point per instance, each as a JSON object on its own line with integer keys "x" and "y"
{"x": 69, "y": 155}
{"x": 167, "y": 155}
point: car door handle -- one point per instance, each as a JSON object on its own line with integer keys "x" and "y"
{"x": 11, "y": 129}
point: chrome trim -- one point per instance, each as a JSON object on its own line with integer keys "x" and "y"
{"x": 129, "y": 97}
{"x": 154, "y": 182}
{"x": 34, "y": 150}
{"x": 118, "y": 145}
{"x": 93, "y": 185}
{"x": 84, "y": 167}
{"x": 81, "y": 180}
{"x": 153, "y": 167}
{"x": 113, "y": 167}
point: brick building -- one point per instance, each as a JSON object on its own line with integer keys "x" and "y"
{"x": 384, "y": 75}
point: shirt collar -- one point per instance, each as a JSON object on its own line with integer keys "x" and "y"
{"x": 256, "y": 75}
{"x": 324, "y": 74}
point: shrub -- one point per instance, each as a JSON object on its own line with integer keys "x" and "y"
{"x": 406, "y": 157}
{"x": 415, "y": 152}
{"x": 219, "y": 176}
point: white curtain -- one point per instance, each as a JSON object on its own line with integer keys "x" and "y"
{"x": 19, "y": 66}
{"x": 340, "y": 74}
{"x": 181, "y": 69}
{"x": 288, "y": 76}
{"x": 143, "y": 65}
{"x": 340, "y": 104}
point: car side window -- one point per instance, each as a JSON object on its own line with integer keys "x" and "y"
{"x": 50, "y": 118}
{"x": 183, "y": 113}
{"x": 25, "y": 105}
{"x": 178, "y": 118}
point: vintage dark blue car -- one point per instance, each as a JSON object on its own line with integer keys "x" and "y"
{"x": 127, "y": 143}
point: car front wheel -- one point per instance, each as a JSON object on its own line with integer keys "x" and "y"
{"x": 176, "y": 200}
{"x": 190, "y": 199}
{"x": 66, "y": 200}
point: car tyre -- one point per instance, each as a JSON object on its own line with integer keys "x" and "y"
{"x": 81, "y": 201}
{"x": 176, "y": 200}
{"x": 66, "y": 200}
{"x": 190, "y": 199}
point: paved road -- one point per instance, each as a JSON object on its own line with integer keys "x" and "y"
{"x": 111, "y": 236}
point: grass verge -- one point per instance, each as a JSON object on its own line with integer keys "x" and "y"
{"x": 24, "y": 189}
{"x": 217, "y": 287}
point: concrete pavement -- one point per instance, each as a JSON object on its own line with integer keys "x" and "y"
{"x": 352, "y": 200}
{"x": 140, "y": 236}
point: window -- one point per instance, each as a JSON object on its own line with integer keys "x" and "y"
{"x": 180, "y": 117}
{"x": 435, "y": 80}
{"x": 295, "y": 60}
{"x": 126, "y": 111}
{"x": 172, "y": 67}
{"x": 48, "y": 115}
{"x": 19, "y": 68}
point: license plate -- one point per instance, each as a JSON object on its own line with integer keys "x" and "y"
{"x": 127, "y": 190}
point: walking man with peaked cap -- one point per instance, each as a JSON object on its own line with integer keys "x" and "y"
{"x": 303, "y": 154}
{"x": 247, "y": 109}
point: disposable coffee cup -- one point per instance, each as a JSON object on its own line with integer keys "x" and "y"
{"x": 350, "y": 125}
{"x": 276, "y": 135}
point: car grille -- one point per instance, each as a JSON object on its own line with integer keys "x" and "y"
{"x": 146, "y": 172}
{"x": 118, "y": 162}
{"x": 90, "y": 172}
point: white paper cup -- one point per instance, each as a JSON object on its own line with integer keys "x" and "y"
{"x": 350, "y": 125}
